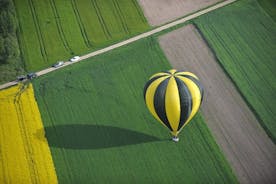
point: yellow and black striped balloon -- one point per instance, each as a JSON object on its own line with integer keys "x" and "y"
{"x": 173, "y": 98}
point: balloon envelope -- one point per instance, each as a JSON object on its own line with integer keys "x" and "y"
{"x": 173, "y": 98}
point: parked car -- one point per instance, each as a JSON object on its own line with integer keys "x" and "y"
{"x": 31, "y": 76}
{"x": 58, "y": 64}
{"x": 21, "y": 78}
{"x": 75, "y": 58}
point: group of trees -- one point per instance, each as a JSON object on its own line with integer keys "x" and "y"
{"x": 8, "y": 26}
{"x": 10, "y": 60}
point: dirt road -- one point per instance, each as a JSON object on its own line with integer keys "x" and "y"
{"x": 138, "y": 37}
{"x": 246, "y": 145}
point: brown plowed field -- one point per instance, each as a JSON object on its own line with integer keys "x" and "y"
{"x": 159, "y": 12}
{"x": 245, "y": 144}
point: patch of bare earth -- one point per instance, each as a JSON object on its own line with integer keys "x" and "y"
{"x": 249, "y": 150}
{"x": 159, "y": 12}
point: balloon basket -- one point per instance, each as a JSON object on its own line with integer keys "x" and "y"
{"x": 175, "y": 139}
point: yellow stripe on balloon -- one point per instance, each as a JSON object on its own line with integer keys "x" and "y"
{"x": 150, "y": 97}
{"x": 186, "y": 73}
{"x": 159, "y": 74}
{"x": 196, "y": 96}
{"x": 172, "y": 71}
{"x": 172, "y": 104}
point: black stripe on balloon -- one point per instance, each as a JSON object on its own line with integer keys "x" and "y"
{"x": 149, "y": 83}
{"x": 186, "y": 102}
{"x": 199, "y": 85}
{"x": 159, "y": 102}
{"x": 166, "y": 72}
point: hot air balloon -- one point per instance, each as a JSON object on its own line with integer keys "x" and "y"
{"x": 173, "y": 98}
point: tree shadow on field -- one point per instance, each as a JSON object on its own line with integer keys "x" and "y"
{"x": 92, "y": 136}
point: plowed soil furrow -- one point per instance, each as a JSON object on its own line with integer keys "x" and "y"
{"x": 248, "y": 148}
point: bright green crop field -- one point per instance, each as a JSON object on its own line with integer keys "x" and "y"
{"x": 52, "y": 30}
{"x": 243, "y": 38}
{"x": 100, "y": 130}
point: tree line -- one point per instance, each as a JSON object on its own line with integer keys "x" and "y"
{"x": 9, "y": 48}
{"x": 10, "y": 59}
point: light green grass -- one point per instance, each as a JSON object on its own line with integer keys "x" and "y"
{"x": 243, "y": 38}
{"x": 32, "y": 48}
{"x": 52, "y": 30}
{"x": 68, "y": 26}
{"x": 100, "y": 130}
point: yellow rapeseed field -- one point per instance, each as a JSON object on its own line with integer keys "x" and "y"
{"x": 25, "y": 156}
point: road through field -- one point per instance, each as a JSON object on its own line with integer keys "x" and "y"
{"x": 247, "y": 147}
{"x": 133, "y": 39}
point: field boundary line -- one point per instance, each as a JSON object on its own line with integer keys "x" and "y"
{"x": 139, "y": 11}
{"x": 133, "y": 39}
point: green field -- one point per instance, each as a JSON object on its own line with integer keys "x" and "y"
{"x": 52, "y": 30}
{"x": 270, "y": 7}
{"x": 100, "y": 130}
{"x": 243, "y": 38}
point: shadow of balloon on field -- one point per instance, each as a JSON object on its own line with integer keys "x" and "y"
{"x": 76, "y": 136}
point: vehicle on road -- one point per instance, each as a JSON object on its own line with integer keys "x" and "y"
{"x": 21, "y": 78}
{"x": 75, "y": 58}
{"x": 31, "y": 76}
{"x": 58, "y": 64}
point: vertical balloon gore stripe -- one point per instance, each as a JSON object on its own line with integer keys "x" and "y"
{"x": 161, "y": 74}
{"x": 159, "y": 102}
{"x": 186, "y": 102}
{"x": 172, "y": 71}
{"x": 149, "y": 96}
{"x": 167, "y": 72}
{"x": 172, "y": 104}
{"x": 184, "y": 74}
{"x": 199, "y": 85}
{"x": 149, "y": 83}
{"x": 195, "y": 94}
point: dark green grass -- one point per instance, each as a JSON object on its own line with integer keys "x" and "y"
{"x": 11, "y": 64}
{"x": 269, "y": 6}
{"x": 52, "y": 30}
{"x": 244, "y": 40}
{"x": 100, "y": 130}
